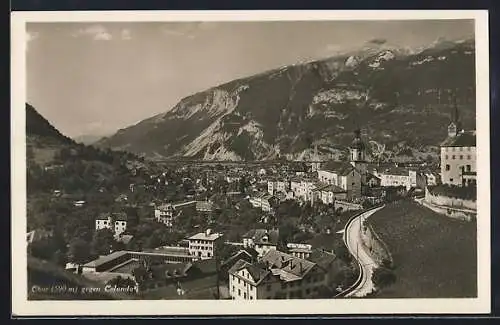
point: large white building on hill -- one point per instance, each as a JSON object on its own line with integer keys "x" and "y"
{"x": 458, "y": 155}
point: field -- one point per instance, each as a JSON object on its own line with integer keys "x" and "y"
{"x": 434, "y": 256}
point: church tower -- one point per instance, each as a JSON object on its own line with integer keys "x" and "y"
{"x": 315, "y": 160}
{"x": 358, "y": 155}
{"x": 454, "y": 127}
{"x": 357, "y": 149}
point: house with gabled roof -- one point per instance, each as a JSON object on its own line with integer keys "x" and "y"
{"x": 276, "y": 275}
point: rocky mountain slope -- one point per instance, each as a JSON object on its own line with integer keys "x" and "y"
{"x": 398, "y": 98}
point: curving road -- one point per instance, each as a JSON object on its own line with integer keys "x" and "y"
{"x": 354, "y": 244}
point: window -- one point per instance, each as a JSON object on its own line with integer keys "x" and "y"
{"x": 468, "y": 157}
{"x": 461, "y": 157}
{"x": 446, "y": 157}
{"x": 447, "y": 167}
{"x": 239, "y": 292}
{"x": 453, "y": 157}
{"x": 251, "y": 297}
{"x": 239, "y": 280}
{"x": 233, "y": 289}
{"x": 244, "y": 295}
{"x": 468, "y": 168}
{"x": 451, "y": 179}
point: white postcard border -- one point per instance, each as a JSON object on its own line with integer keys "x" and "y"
{"x": 22, "y": 307}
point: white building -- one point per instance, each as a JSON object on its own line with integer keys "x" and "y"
{"x": 328, "y": 194}
{"x": 277, "y": 186}
{"x": 300, "y": 250}
{"x": 117, "y": 222}
{"x": 203, "y": 244}
{"x": 277, "y": 275}
{"x": 166, "y": 213}
{"x": 261, "y": 201}
{"x": 397, "y": 176}
{"x": 458, "y": 159}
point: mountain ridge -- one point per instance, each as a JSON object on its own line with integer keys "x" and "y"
{"x": 284, "y": 111}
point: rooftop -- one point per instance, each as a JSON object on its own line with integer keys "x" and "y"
{"x": 105, "y": 259}
{"x": 263, "y": 236}
{"x": 463, "y": 139}
{"x": 257, "y": 272}
{"x": 340, "y": 167}
{"x": 287, "y": 266}
{"x": 332, "y": 188}
{"x": 117, "y": 216}
{"x": 205, "y": 236}
{"x": 399, "y": 171}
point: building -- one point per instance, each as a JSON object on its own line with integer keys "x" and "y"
{"x": 299, "y": 250}
{"x": 397, "y": 176}
{"x": 116, "y": 222}
{"x": 166, "y": 213}
{"x": 203, "y": 244}
{"x": 261, "y": 201}
{"x": 458, "y": 154}
{"x": 261, "y": 240}
{"x": 329, "y": 193}
{"x": 343, "y": 175}
{"x": 276, "y": 275}
{"x": 107, "y": 262}
{"x": 275, "y": 186}
{"x": 458, "y": 159}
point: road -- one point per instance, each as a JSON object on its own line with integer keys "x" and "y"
{"x": 353, "y": 243}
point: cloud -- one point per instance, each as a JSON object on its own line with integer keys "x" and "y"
{"x": 97, "y": 32}
{"x": 125, "y": 34}
{"x": 377, "y": 41}
{"x": 188, "y": 30}
{"x": 31, "y": 36}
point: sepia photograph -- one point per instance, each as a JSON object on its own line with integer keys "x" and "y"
{"x": 337, "y": 162}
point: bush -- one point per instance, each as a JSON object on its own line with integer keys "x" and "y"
{"x": 383, "y": 277}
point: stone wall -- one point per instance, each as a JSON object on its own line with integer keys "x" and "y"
{"x": 449, "y": 202}
{"x": 347, "y": 206}
{"x": 461, "y": 214}
{"x": 375, "y": 245}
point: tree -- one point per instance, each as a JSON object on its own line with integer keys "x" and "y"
{"x": 102, "y": 242}
{"x": 121, "y": 282}
{"x": 79, "y": 251}
{"x": 383, "y": 277}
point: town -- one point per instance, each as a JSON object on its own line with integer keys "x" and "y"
{"x": 260, "y": 230}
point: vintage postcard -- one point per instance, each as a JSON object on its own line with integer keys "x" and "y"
{"x": 263, "y": 162}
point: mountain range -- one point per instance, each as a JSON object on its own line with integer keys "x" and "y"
{"x": 399, "y": 98}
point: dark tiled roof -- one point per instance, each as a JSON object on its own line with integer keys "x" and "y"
{"x": 321, "y": 258}
{"x": 257, "y": 271}
{"x": 104, "y": 259}
{"x": 400, "y": 171}
{"x": 258, "y": 236}
{"x": 340, "y": 167}
{"x": 287, "y": 263}
{"x": 465, "y": 139}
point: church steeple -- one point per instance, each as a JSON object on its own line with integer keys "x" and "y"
{"x": 455, "y": 126}
{"x": 357, "y": 148}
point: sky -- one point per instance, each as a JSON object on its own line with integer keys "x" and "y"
{"x": 95, "y": 78}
